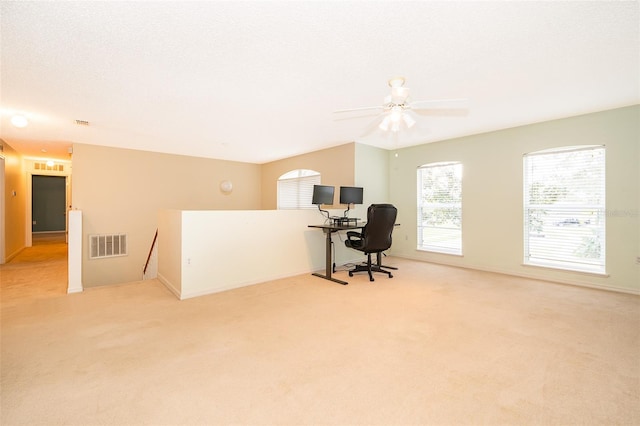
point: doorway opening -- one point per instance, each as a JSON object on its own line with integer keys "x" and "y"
{"x": 48, "y": 204}
{"x": 48, "y": 208}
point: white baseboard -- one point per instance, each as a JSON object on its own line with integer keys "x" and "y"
{"x": 190, "y": 295}
{"x": 531, "y": 276}
{"x": 169, "y": 286}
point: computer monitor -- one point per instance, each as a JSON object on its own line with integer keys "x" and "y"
{"x": 350, "y": 195}
{"x": 322, "y": 194}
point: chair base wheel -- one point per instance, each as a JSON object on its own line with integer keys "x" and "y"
{"x": 374, "y": 268}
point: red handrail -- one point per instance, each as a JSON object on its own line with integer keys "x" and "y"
{"x": 155, "y": 237}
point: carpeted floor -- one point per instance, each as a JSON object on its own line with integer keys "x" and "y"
{"x": 37, "y": 272}
{"x": 435, "y": 345}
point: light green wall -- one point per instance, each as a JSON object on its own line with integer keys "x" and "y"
{"x": 492, "y": 195}
{"x": 371, "y": 173}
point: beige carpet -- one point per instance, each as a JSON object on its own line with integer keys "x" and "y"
{"x": 36, "y": 272}
{"x": 434, "y": 345}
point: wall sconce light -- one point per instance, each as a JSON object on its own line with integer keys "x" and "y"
{"x": 226, "y": 186}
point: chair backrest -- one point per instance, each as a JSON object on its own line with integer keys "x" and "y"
{"x": 381, "y": 219}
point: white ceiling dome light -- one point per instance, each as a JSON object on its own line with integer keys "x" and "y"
{"x": 19, "y": 120}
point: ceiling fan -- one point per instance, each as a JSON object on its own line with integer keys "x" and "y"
{"x": 398, "y": 110}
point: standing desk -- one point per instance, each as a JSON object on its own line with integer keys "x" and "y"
{"x": 329, "y": 229}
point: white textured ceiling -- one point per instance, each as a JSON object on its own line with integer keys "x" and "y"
{"x": 258, "y": 81}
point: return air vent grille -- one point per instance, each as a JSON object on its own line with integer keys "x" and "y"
{"x": 110, "y": 245}
{"x": 43, "y": 166}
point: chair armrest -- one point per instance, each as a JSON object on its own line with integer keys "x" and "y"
{"x": 353, "y": 234}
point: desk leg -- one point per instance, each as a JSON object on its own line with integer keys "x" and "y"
{"x": 328, "y": 266}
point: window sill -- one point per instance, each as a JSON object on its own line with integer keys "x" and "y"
{"x": 440, "y": 251}
{"x": 561, "y": 269}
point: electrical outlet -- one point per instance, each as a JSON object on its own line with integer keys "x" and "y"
{"x": 638, "y": 260}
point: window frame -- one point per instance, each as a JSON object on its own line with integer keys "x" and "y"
{"x": 565, "y": 231}
{"x": 422, "y": 244}
{"x": 301, "y": 182}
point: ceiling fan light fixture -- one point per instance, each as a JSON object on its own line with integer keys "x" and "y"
{"x": 399, "y": 94}
{"x": 408, "y": 120}
{"x": 384, "y": 124}
{"x": 398, "y": 109}
{"x": 396, "y": 82}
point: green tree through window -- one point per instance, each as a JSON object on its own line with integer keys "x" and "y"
{"x": 440, "y": 207}
{"x": 564, "y": 208}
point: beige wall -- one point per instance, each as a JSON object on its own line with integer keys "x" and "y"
{"x": 493, "y": 196}
{"x": 121, "y": 191}
{"x": 336, "y": 166}
{"x": 15, "y": 179}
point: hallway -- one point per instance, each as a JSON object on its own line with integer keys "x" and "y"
{"x": 36, "y": 272}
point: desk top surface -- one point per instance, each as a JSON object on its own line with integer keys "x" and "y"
{"x": 338, "y": 227}
{"x": 342, "y": 227}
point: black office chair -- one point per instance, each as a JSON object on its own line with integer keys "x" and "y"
{"x": 374, "y": 238}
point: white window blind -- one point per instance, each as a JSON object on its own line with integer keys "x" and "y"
{"x": 440, "y": 207}
{"x": 564, "y": 208}
{"x": 295, "y": 189}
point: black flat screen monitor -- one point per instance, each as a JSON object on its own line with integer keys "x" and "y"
{"x": 322, "y": 194}
{"x": 350, "y": 195}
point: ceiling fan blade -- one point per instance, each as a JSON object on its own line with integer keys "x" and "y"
{"x": 358, "y": 109}
{"x": 440, "y": 103}
{"x": 399, "y": 113}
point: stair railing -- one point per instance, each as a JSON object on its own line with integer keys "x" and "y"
{"x": 146, "y": 265}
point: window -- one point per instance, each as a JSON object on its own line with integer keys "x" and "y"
{"x": 295, "y": 189}
{"x": 440, "y": 207}
{"x": 564, "y": 208}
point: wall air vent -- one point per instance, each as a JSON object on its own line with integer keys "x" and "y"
{"x": 110, "y": 245}
{"x": 82, "y": 122}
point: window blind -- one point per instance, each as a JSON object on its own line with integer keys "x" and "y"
{"x": 564, "y": 208}
{"x": 440, "y": 207}
{"x": 296, "y": 192}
